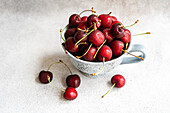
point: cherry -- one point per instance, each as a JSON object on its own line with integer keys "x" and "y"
{"x": 84, "y": 18}
{"x": 79, "y": 35}
{"x": 114, "y": 22}
{"x": 70, "y": 45}
{"x": 83, "y": 46}
{"x": 113, "y": 18}
{"x": 74, "y": 20}
{"x": 106, "y": 52}
{"x": 82, "y": 25}
{"x": 117, "y": 81}
{"x": 73, "y": 81}
{"x": 90, "y": 54}
{"x": 70, "y": 93}
{"x": 117, "y": 47}
{"x": 117, "y": 30}
{"x": 43, "y": 76}
{"x": 127, "y": 37}
{"x": 70, "y": 32}
{"x": 107, "y": 34}
{"x": 106, "y": 20}
{"x": 93, "y": 19}
{"x": 96, "y": 37}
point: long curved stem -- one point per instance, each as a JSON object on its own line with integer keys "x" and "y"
{"x": 132, "y": 24}
{"x": 88, "y": 10}
{"x": 62, "y": 35}
{"x": 109, "y": 90}
{"x": 132, "y": 54}
{"x": 85, "y": 52}
{"x": 53, "y": 85}
{"x": 99, "y": 49}
{"x": 52, "y": 65}
{"x": 101, "y": 69}
{"x": 142, "y": 34}
{"x": 66, "y": 66}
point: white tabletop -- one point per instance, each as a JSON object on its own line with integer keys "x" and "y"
{"x": 29, "y": 43}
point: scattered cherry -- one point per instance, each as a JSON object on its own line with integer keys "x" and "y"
{"x": 43, "y": 76}
{"x": 73, "y": 81}
{"x": 70, "y": 93}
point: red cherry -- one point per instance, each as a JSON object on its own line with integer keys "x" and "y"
{"x": 84, "y": 18}
{"x": 108, "y": 35}
{"x": 70, "y": 93}
{"x": 70, "y": 45}
{"x": 106, "y": 20}
{"x": 73, "y": 81}
{"x": 70, "y": 32}
{"x": 90, "y": 54}
{"x": 106, "y": 52}
{"x": 117, "y": 47}
{"x": 43, "y": 76}
{"x": 119, "y": 80}
{"x": 82, "y": 25}
{"x": 113, "y": 18}
{"x": 117, "y": 31}
{"x": 79, "y": 35}
{"x": 93, "y": 19}
{"x": 96, "y": 37}
{"x": 127, "y": 37}
{"x": 114, "y": 22}
{"x": 74, "y": 20}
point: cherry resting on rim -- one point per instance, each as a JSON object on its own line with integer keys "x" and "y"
{"x": 73, "y": 81}
{"x": 117, "y": 81}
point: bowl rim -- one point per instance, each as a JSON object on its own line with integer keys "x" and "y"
{"x": 87, "y": 62}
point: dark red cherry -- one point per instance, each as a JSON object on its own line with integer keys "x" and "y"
{"x": 106, "y": 20}
{"x": 73, "y": 81}
{"x": 114, "y": 22}
{"x": 70, "y": 45}
{"x": 83, "y": 47}
{"x": 82, "y": 25}
{"x": 90, "y": 54}
{"x": 84, "y": 18}
{"x": 96, "y": 37}
{"x": 107, "y": 34}
{"x": 106, "y": 52}
{"x": 79, "y": 35}
{"x": 119, "y": 80}
{"x": 117, "y": 47}
{"x": 127, "y": 37}
{"x": 117, "y": 31}
{"x": 70, "y": 32}
{"x": 43, "y": 76}
{"x": 70, "y": 93}
{"x": 93, "y": 19}
{"x": 74, "y": 20}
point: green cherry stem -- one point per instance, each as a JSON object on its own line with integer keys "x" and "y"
{"x": 101, "y": 69}
{"x": 62, "y": 35}
{"x": 52, "y": 65}
{"x": 66, "y": 66}
{"x": 132, "y": 24}
{"x": 85, "y": 52}
{"x": 109, "y": 90}
{"x": 99, "y": 48}
{"x": 53, "y": 85}
{"x": 141, "y": 34}
{"x": 88, "y": 10}
{"x": 132, "y": 54}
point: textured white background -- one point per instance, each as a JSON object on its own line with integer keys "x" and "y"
{"x": 29, "y": 43}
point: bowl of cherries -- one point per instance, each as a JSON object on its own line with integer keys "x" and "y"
{"x": 96, "y": 44}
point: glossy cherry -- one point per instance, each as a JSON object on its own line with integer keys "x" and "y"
{"x": 74, "y": 20}
{"x": 117, "y": 47}
{"x": 70, "y": 45}
{"x": 70, "y": 93}
{"x": 43, "y": 76}
{"x": 113, "y": 18}
{"x": 73, "y": 81}
{"x": 93, "y": 19}
{"x": 127, "y": 37}
{"x": 70, "y": 32}
{"x": 90, "y": 54}
{"x": 79, "y": 35}
{"x": 106, "y": 52}
{"x": 117, "y": 30}
{"x": 96, "y": 37}
{"x": 82, "y": 25}
{"x": 106, "y": 20}
{"x": 107, "y": 34}
{"x": 84, "y": 18}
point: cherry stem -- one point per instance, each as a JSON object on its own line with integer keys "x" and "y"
{"x": 84, "y": 37}
{"x": 101, "y": 69}
{"x": 109, "y": 90}
{"x": 82, "y": 43}
{"x": 53, "y": 85}
{"x": 60, "y": 61}
{"x": 132, "y": 24}
{"x": 62, "y": 35}
{"x": 93, "y": 24}
{"x": 88, "y": 10}
{"x": 132, "y": 54}
{"x": 85, "y": 52}
{"x": 110, "y": 13}
{"x": 126, "y": 46}
{"x": 99, "y": 49}
{"x": 141, "y": 34}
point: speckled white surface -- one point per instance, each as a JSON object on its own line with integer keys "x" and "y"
{"x": 29, "y": 42}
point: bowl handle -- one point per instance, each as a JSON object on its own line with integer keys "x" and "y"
{"x": 135, "y": 48}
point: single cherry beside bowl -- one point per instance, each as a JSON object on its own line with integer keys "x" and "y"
{"x": 43, "y": 76}
{"x": 70, "y": 93}
{"x": 73, "y": 81}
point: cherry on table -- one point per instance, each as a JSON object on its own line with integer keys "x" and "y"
{"x": 73, "y": 81}
{"x": 43, "y": 76}
{"x": 70, "y": 93}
